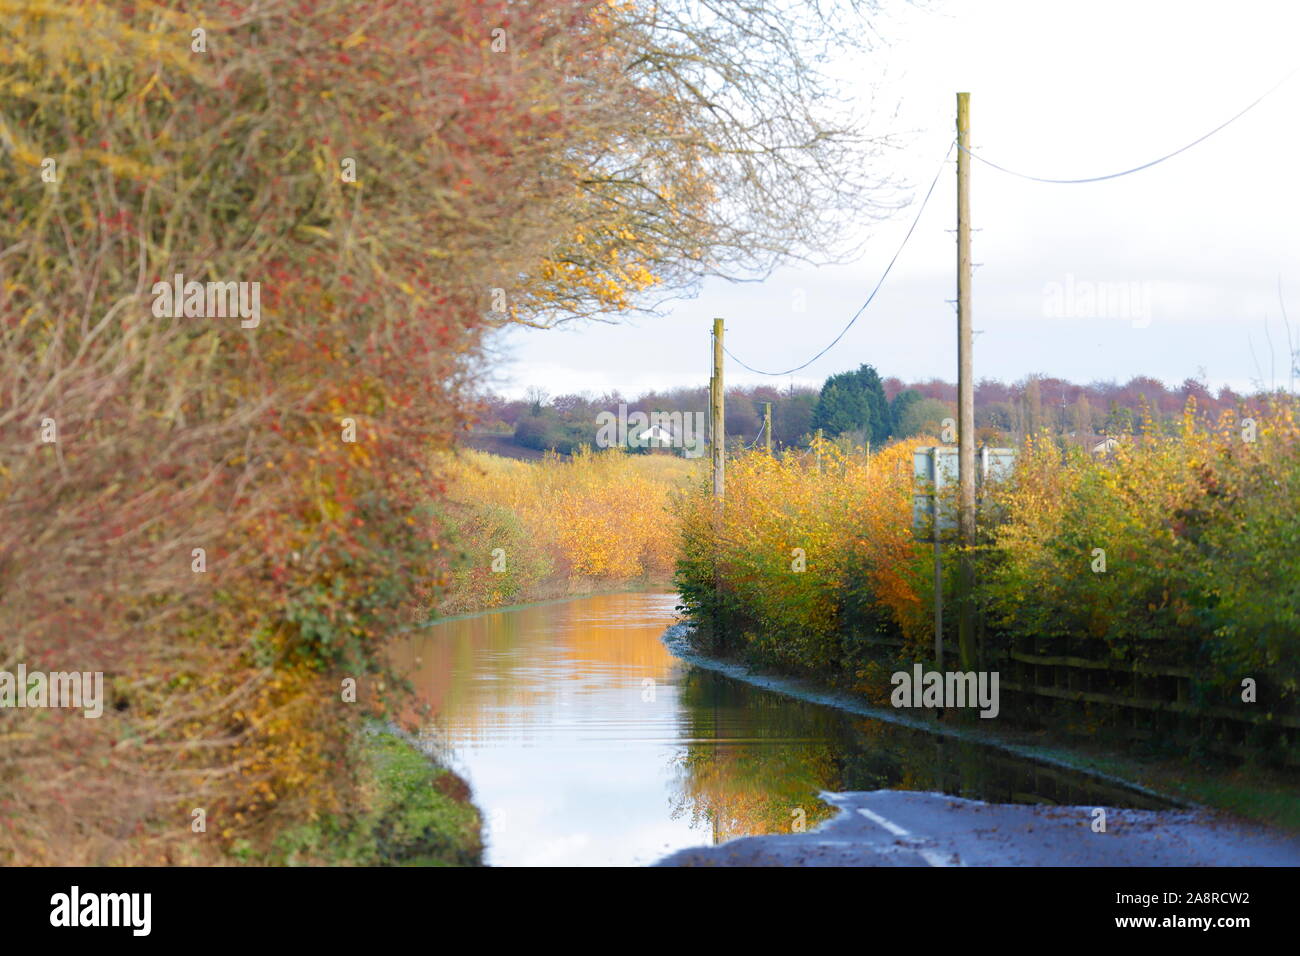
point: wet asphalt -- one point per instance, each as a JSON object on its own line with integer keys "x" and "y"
{"x": 903, "y": 828}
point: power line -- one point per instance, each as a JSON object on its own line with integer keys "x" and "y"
{"x": 1135, "y": 169}
{"x": 1012, "y": 172}
{"x": 883, "y": 276}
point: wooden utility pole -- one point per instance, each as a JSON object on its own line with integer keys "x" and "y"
{"x": 965, "y": 398}
{"x": 717, "y": 432}
{"x": 767, "y": 425}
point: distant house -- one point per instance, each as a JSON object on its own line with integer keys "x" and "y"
{"x": 1101, "y": 446}
{"x": 656, "y": 434}
{"x": 656, "y": 437}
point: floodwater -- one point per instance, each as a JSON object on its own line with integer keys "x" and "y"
{"x": 586, "y": 742}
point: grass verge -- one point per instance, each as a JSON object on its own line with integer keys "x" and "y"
{"x": 413, "y": 813}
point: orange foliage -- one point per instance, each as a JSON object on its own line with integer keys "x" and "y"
{"x": 797, "y": 539}
{"x": 559, "y": 526}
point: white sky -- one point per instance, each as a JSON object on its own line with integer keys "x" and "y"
{"x": 1059, "y": 89}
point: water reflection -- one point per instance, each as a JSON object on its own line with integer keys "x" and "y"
{"x": 586, "y": 742}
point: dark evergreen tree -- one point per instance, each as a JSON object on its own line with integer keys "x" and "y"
{"x": 853, "y": 401}
{"x": 898, "y": 408}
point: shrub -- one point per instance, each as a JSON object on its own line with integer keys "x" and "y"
{"x": 1197, "y": 528}
{"x": 598, "y": 519}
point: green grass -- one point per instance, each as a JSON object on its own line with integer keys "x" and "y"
{"x": 413, "y": 813}
{"x": 1251, "y": 793}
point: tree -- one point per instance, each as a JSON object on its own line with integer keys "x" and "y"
{"x": 898, "y": 408}
{"x": 1119, "y": 419}
{"x": 395, "y": 183}
{"x": 731, "y": 149}
{"x": 240, "y": 513}
{"x": 853, "y": 401}
{"x": 923, "y": 417}
{"x": 792, "y": 419}
{"x": 743, "y": 420}
{"x": 1032, "y": 402}
{"x": 537, "y": 399}
{"x": 1083, "y": 416}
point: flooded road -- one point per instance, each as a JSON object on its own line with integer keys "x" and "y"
{"x": 586, "y": 742}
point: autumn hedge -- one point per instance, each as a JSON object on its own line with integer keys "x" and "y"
{"x": 1196, "y": 525}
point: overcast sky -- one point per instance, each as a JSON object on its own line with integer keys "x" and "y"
{"x": 1187, "y": 254}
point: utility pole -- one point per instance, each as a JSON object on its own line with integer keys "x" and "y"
{"x": 716, "y": 428}
{"x": 965, "y": 398}
{"x": 767, "y": 424}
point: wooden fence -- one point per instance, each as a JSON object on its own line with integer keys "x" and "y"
{"x": 1072, "y": 684}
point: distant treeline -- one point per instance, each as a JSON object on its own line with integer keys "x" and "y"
{"x": 860, "y": 406}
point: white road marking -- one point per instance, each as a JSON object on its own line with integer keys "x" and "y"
{"x": 930, "y": 856}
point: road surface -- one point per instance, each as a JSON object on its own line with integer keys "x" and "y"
{"x": 904, "y": 828}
